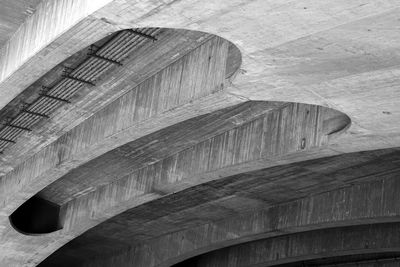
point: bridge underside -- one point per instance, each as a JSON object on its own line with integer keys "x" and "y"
{"x": 199, "y": 133}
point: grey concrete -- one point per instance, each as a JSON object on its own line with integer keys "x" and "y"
{"x": 315, "y": 57}
{"x": 367, "y": 201}
{"x": 12, "y": 14}
{"x": 305, "y": 246}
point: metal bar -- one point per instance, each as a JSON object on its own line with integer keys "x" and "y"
{"x": 18, "y": 127}
{"x": 78, "y": 80}
{"x": 121, "y": 51}
{"x": 105, "y": 59}
{"x": 119, "y": 44}
{"x": 142, "y": 34}
{"x": 35, "y": 113}
{"x": 45, "y": 89}
{"x": 7, "y": 140}
{"x": 112, "y": 41}
{"x": 56, "y": 98}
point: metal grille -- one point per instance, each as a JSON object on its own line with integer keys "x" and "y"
{"x": 99, "y": 61}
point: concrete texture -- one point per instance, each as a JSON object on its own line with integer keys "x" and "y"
{"x": 305, "y": 246}
{"x": 12, "y": 14}
{"x": 247, "y": 206}
{"x": 308, "y": 69}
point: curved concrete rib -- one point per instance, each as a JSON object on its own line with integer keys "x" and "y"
{"x": 145, "y": 61}
{"x": 54, "y": 32}
{"x": 348, "y": 206}
{"x": 336, "y": 242}
{"x": 345, "y": 88}
{"x": 260, "y": 142}
{"x": 269, "y": 139}
{"x": 289, "y": 133}
{"x": 383, "y": 262}
{"x": 160, "y": 101}
{"x": 257, "y": 81}
{"x": 191, "y": 86}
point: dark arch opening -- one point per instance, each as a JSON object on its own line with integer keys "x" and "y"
{"x": 40, "y": 214}
{"x": 36, "y": 216}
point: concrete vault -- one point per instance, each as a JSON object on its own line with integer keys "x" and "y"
{"x": 199, "y": 133}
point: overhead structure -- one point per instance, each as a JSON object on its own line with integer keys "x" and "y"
{"x": 199, "y": 133}
{"x": 99, "y": 61}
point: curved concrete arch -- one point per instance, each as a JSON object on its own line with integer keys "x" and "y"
{"x": 257, "y": 51}
{"x": 90, "y": 133}
{"x": 345, "y": 241}
{"x": 61, "y": 156}
{"x": 300, "y": 128}
{"x": 126, "y": 119}
{"x": 331, "y": 54}
{"x": 48, "y": 46}
{"x": 148, "y": 59}
{"x": 384, "y": 262}
{"x": 350, "y": 205}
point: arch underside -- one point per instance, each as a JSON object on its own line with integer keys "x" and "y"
{"x": 215, "y": 141}
{"x": 218, "y": 219}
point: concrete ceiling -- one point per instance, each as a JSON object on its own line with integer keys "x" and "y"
{"x": 12, "y": 14}
{"x": 229, "y": 198}
{"x": 266, "y": 122}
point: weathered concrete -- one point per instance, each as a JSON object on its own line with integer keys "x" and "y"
{"x": 203, "y": 78}
{"x": 147, "y": 61}
{"x": 334, "y": 242}
{"x": 41, "y": 42}
{"x": 311, "y": 18}
{"x": 264, "y": 132}
{"x": 298, "y": 128}
{"x": 12, "y": 14}
{"x": 229, "y": 153}
{"x": 169, "y": 104}
{"x": 340, "y": 54}
{"x": 362, "y": 203}
{"x": 371, "y": 263}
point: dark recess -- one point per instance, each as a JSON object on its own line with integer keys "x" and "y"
{"x": 36, "y": 216}
{"x": 326, "y": 261}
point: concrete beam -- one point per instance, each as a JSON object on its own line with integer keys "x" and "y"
{"x": 381, "y": 262}
{"x": 152, "y": 148}
{"x": 270, "y": 137}
{"x": 250, "y": 146}
{"x": 169, "y": 100}
{"x": 287, "y": 24}
{"x": 53, "y": 33}
{"x": 349, "y": 206}
{"x": 259, "y": 82}
{"x": 336, "y": 242}
{"x": 148, "y": 59}
{"x": 191, "y": 86}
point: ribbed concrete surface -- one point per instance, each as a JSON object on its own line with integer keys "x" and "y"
{"x": 336, "y": 54}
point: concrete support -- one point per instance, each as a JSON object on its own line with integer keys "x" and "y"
{"x": 299, "y": 128}
{"x": 338, "y": 54}
{"x": 148, "y": 59}
{"x": 191, "y": 86}
{"x": 384, "y": 262}
{"x": 365, "y": 203}
{"x": 161, "y": 100}
{"x": 49, "y": 36}
{"x": 306, "y": 246}
{"x": 362, "y": 203}
{"x": 270, "y": 136}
